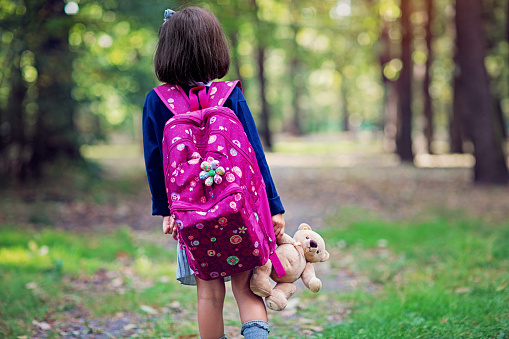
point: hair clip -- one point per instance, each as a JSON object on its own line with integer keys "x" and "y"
{"x": 167, "y": 14}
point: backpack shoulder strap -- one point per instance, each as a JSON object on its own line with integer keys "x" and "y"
{"x": 220, "y": 91}
{"x": 178, "y": 102}
{"x": 174, "y": 98}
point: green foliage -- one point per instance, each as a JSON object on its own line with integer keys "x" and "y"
{"x": 325, "y": 58}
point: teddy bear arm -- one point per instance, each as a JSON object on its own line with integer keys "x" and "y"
{"x": 285, "y": 239}
{"x": 309, "y": 278}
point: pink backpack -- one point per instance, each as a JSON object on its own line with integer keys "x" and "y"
{"x": 215, "y": 189}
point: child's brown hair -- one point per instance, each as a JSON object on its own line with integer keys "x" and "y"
{"x": 192, "y": 47}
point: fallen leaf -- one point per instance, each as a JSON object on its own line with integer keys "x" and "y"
{"x": 175, "y": 304}
{"x": 315, "y": 328}
{"x": 31, "y": 285}
{"x": 42, "y": 325}
{"x": 32, "y": 245}
{"x": 117, "y": 282}
{"x": 288, "y": 313}
{"x": 164, "y": 279}
{"x": 148, "y": 309}
{"x": 502, "y": 286}
{"x": 44, "y": 250}
{"x": 122, "y": 255}
{"x": 129, "y": 327}
{"x": 306, "y": 321}
{"x": 463, "y": 290}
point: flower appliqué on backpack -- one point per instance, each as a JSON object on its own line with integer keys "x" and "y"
{"x": 211, "y": 172}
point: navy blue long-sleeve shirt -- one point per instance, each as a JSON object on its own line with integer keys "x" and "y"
{"x": 155, "y": 115}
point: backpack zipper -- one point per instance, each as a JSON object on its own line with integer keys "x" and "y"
{"x": 172, "y": 146}
{"x": 226, "y": 137}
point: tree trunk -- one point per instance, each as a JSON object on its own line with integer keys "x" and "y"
{"x": 295, "y": 127}
{"x": 344, "y": 103}
{"x": 295, "y": 64}
{"x": 55, "y": 132}
{"x": 428, "y": 105}
{"x": 456, "y": 124}
{"x": 265, "y": 116}
{"x": 500, "y": 116}
{"x": 492, "y": 41}
{"x": 260, "y": 57}
{"x": 456, "y": 119}
{"x": 235, "y": 44}
{"x": 481, "y": 123}
{"x": 47, "y": 131}
{"x": 389, "y": 115}
{"x": 236, "y": 58}
{"x": 404, "y": 127}
{"x": 507, "y": 22}
{"x": 15, "y": 147}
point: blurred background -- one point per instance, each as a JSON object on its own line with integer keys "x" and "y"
{"x": 416, "y": 78}
{"x": 384, "y": 124}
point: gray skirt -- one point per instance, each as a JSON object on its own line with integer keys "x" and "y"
{"x": 185, "y": 274}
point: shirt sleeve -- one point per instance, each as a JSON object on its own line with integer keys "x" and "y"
{"x": 238, "y": 104}
{"x": 152, "y": 131}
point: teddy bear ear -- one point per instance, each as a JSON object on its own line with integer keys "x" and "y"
{"x": 304, "y": 226}
{"x": 325, "y": 257}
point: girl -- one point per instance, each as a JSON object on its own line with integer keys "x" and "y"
{"x": 192, "y": 51}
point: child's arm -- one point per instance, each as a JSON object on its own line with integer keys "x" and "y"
{"x": 238, "y": 104}
{"x": 279, "y": 225}
{"x": 155, "y": 114}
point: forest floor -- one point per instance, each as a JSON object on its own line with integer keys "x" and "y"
{"x": 322, "y": 190}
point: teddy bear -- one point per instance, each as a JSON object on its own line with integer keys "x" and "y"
{"x": 296, "y": 255}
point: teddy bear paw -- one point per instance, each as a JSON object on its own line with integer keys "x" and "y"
{"x": 276, "y": 304}
{"x": 315, "y": 285}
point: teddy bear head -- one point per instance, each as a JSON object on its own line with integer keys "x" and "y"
{"x": 312, "y": 243}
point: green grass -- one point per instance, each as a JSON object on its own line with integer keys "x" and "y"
{"x": 445, "y": 278}
{"x": 41, "y": 269}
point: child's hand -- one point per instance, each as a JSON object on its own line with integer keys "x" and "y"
{"x": 169, "y": 226}
{"x": 279, "y": 225}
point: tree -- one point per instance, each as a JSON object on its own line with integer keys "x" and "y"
{"x": 404, "y": 130}
{"x": 428, "y": 107}
{"x": 39, "y": 108}
{"x": 390, "y": 96}
{"x": 260, "y": 58}
{"x": 295, "y": 69}
{"x": 494, "y": 33}
{"x": 481, "y": 123}
{"x": 458, "y": 111}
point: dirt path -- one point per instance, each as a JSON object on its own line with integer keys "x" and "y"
{"x": 312, "y": 189}
{"x": 378, "y": 185}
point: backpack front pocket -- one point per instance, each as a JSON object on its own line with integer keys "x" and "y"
{"x": 220, "y": 238}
